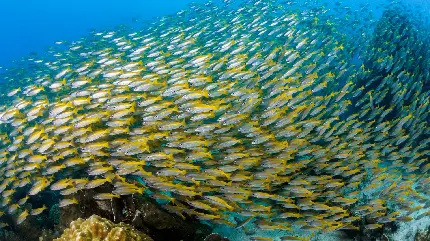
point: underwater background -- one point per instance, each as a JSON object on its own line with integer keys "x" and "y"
{"x": 32, "y": 26}
{"x": 214, "y": 120}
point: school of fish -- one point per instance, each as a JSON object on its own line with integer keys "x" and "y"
{"x": 260, "y": 110}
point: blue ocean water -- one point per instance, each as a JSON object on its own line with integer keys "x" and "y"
{"x": 33, "y": 26}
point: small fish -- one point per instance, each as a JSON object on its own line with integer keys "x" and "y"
{"x": 13, "y": 208}
{"x": 38, "y": 211}
{"x": 218, "y": 201}
{"x": 22, "y": 216}
{"x": 373, "y": 226}
{"x": 23, "y": 200}
{"x": 13, "y": 92}
{"x": 67, "y": 202}
{"x": 97, "y": 182}
{"x": 240, "y": 224}
{"x": 61, "y": 184}
{"x": 292, "y": 238}
{"x": 105, "y": 196}
{"x": 260, "y": 238}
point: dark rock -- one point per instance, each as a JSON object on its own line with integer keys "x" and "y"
{"x": 215, "y": 237}
{"x": 28, "y": 230}
{"x": 6, "y": 235}
{"x": 86, "y": 207}
{"x": 165, "y": 226}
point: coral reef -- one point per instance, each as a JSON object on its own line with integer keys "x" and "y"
{"x": 96, "y": 228}
{"x": 139, "y": 212}
{"x": 423, "y": 235}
